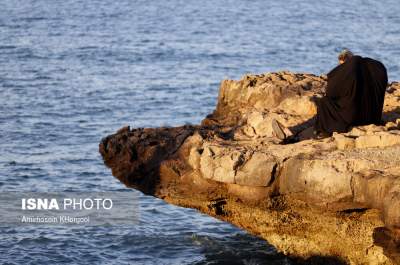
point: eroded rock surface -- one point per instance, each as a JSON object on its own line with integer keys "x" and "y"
{"x": 337, "y": 198}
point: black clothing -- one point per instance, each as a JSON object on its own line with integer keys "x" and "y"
{"x": 354, "y": 96}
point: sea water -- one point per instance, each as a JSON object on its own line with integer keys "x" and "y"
{"x": 74, "y": 71}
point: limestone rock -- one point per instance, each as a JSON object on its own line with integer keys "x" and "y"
{"x": 378, "y": 139}
{"x": 258, "y": 170}
{"x": 344, "y": 142}
{"x": 391, "y": 125}
{"x": 316, "y": 180}
{"x": 379, "y": 190}
{"x": 219, "y": 164}
{"x": 298, "y": 105}
{"x": 330, "y": 196}
{"x": 235, "y": 166}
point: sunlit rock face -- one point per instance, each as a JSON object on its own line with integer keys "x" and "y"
{"x": 335, "y": 198}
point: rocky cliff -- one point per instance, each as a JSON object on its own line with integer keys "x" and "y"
{"x": 331, "y": 200}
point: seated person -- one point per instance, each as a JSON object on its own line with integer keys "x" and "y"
{"x": 354, "y": 96}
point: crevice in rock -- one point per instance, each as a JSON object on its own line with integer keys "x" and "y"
{"x": 354, "y": 210}
{"x": 273, "y": 174}
{"x": 217, "y": 206}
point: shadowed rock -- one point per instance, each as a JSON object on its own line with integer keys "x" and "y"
{"x": 315, "y": 198}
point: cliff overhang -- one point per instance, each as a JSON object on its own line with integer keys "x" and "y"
{"x": 337, "y": 197}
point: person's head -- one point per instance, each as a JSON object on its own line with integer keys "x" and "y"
{"x": 344, "y": 56}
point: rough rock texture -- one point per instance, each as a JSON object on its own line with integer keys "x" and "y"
{"x": 333, "y": 200}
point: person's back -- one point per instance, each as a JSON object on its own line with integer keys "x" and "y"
{"x": 374, "y": 82}
{"x": 354, "y": 96}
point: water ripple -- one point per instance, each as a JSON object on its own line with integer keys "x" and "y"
{"x": 74, "y": 71}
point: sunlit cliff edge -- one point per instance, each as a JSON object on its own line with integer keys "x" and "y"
{"x": 330, "y": 200}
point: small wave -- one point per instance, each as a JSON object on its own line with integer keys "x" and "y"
{"x": 7, "y": 47}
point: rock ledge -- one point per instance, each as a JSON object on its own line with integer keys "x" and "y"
{"x": 336, "y": 199}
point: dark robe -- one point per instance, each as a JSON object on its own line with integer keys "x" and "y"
{"x": 354, "y": 96}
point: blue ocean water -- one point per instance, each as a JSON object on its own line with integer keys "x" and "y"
{"x": 72, "y": 72}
